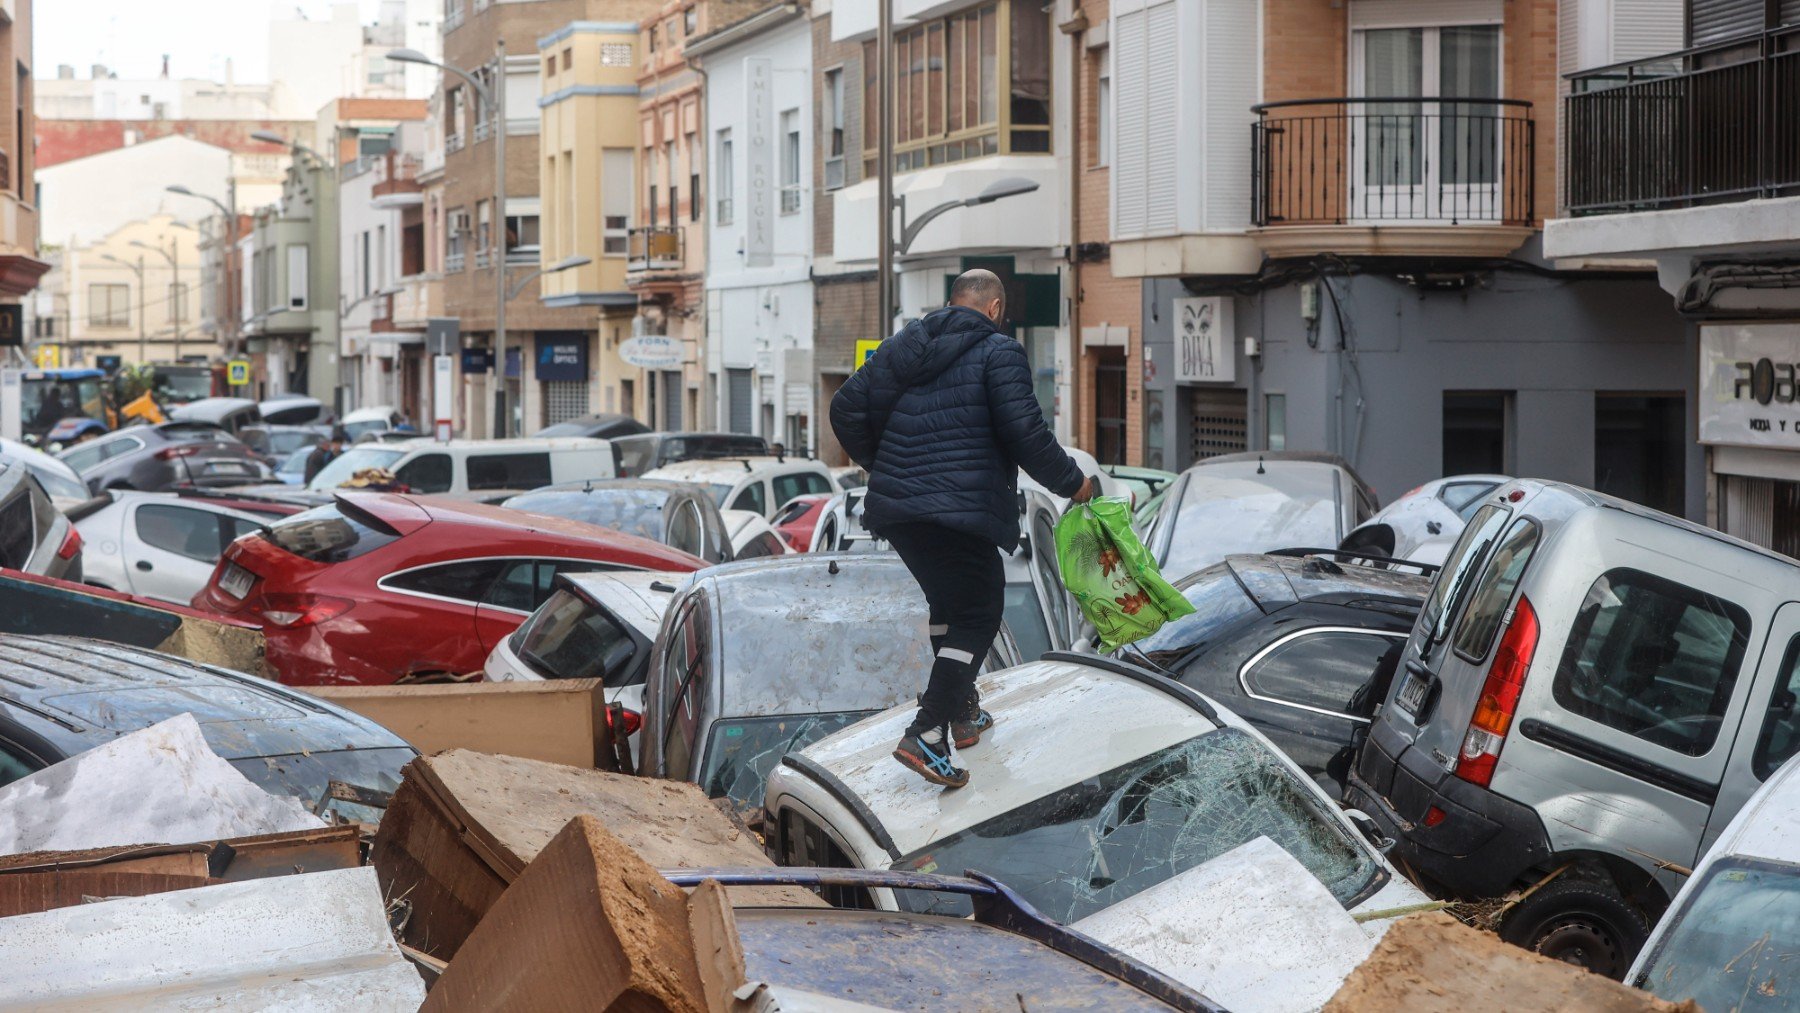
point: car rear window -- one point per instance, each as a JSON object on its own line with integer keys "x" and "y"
{"x": 633, "y": 511}
{"x": 508, "y": 471}
{"x": 333, "y": 533}
{"x": 1654, "y": 659}
{"x": 571, "y": 639}
{"x": 17, "y": 536}
{"x": 1459, "y": 566}
{"x": 1494, "y": 591}
{"x": 195, "y": 434}
{"x": 1219, "y": 602}
{"x": 691, "y": 448}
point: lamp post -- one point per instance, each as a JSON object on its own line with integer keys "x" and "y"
{"x": 494, "y": 100}
{"x": 143, "y": 324}
{"x": 230, "y": 250}
{"x": 173, "y": 256}
{"x": 567, "y": 264}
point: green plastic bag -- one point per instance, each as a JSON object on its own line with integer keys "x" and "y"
{"x": 1111, "y": 574}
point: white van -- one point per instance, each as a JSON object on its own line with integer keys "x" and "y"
{"x": 427, "y": 466}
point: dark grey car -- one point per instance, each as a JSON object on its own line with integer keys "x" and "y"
{"x": 648, "y": 451}
{"x": 34, "y": 536}
{"x": 603, "y": 426}
{"x": 153, "y": 458}
{"x": 677, "y": 514}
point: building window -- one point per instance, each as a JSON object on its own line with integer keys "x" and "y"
{"x": 178, "y": 298}
{"x": 550, "y": 66}
{"x": 670, "y": 170}
{"x": 1477, "y": 425}
{"x": 612, "y": 54}
{"x": 947, "y": 89}
{"x": 568, "y": 54}
{"x": 109, "y": 305}
{"x": 1275, "y": 421}
{"x": 723, "y": 179}
{"x": 690, "y": 20}
{"x": 653, "y": 38}
{"x": 1103, "y": 126}
{"x": 1640, "y": 449}
{"x": 456, "y": 239}
{"x": 790, "y": 161}
{"x": 364, "y": 274}
{"x": 834, "y": 128}
{"x": 616, "y": 190}
{"x": 483, "y": 225}
{"x": 693, "y": 157}
{"x": 522, "y": 239}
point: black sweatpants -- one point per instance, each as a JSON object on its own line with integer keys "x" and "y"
{"x": 965, "y": 585}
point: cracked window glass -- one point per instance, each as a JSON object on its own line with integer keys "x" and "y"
{"x": 1097, "y": 842}
{"x": 743, "y": 751}
{"x": 633, "y": 511}
{"x": 1736, "y": 942}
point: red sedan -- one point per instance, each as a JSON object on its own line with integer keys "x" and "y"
{"x": 798, "y": 517}
{"x": 378, "y": 588}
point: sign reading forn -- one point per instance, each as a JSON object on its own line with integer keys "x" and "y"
{"x": 759, "y": 161}
{"x": 562, "y": 357}
{"x": 237, "y": 372}
{"x": 651, "y": 351}
{"x": 1750, "y": 385}
{"x": 865, "y": 347}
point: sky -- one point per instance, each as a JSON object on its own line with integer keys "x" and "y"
{"x": 131, "y": 36}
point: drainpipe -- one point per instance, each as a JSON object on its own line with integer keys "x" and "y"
{"x": 1076, "y": 28}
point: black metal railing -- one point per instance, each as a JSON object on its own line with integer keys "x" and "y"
{"x": 657, "y": 247}
{"x": 1712, "y": 124}
{"x": 1345, "y": 161}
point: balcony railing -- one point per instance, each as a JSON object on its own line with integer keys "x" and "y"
{"x": 1390, "y": 161}
{"x": 1707, "y": 125}
{"x": 656, "y": 248}
{"x": 453, "y": 143}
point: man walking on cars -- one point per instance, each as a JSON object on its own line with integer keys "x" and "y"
{"x": 942, "y": 417}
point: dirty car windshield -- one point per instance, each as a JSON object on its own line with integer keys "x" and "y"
{"x": 1225, "y": 514}
{"x": 305, "y": 775}
{"x": 332, "y": 533}
{"x": 633, "y": 511}
{"x": 744, "y": 750}
{"x": 1736, "y": 941}
{"x": 345, "y": 466}
{"x": 1090, "y": 845}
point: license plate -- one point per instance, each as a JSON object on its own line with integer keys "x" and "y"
{"x": 1412, "y": 694}
{"x": 227, "y": 468}
{"x": 236, "y": 581}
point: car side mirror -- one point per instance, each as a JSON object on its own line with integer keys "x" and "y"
{"x": 1370, "y": 830}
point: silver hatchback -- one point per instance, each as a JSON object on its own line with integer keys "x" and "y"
{"x": 1590, "y": 693}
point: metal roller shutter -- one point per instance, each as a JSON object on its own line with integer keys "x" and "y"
{"x": 740, "y": 400}
{"x": 1717, "y": 20}
{"x": 1218, "y": 422}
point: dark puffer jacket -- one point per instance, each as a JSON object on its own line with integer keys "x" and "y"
{"x": 943, "y": 416}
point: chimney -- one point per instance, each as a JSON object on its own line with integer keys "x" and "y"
{"x": 99, "y": 71}
{"x": 65, "y": 72}
{"x": 230, "y": 78}
{"x": 165, "y": 72}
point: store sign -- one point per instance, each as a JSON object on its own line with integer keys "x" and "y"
{"x": 759, "y": 169}
{"x": 562, "y": 357}
{"x": 1748, "y": 378}
{"x": 1205, "y": 341}
{"x": 477, "y": 360}
{"x": 651, "y": 351}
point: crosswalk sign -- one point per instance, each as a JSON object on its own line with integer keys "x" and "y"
{"x": 237, "y": 372}
{"x": 865, "y": 348}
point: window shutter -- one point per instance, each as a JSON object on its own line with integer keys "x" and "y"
{"x": 1790, "y": 12}
{"x": 1130, "y": 81}
{"x": 1717, "y": 20}
{"x": 1161, "y": 58}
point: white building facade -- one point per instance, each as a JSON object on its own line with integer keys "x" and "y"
{"x": 759, "y": 293}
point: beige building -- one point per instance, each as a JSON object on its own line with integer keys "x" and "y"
{"x": 134, "y": 293}
{"x": 20, "y": 265}
{"x": 587, "y": 137}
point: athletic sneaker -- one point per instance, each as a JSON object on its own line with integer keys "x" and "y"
{"x": 966, "y": 732}
{"x": 930, "y": 760}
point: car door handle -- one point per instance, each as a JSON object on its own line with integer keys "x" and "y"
{"x": 144, "y": 565}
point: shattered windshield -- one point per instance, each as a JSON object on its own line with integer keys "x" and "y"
{"x": 633, "y": 511}
{"x": 1736, "y": 942}
{"x": 744, "y": 750}
{"x": 1095, "y": 843}
{"x": 305, "y": 775}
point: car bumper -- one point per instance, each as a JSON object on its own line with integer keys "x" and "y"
{"x": 1482, "y": 842}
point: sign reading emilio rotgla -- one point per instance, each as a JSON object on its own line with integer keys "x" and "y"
{"x": 1748, "y": 378}
{"x": 759, "y": 158}
{"x": 562, "y": 357}
{"x": 1204, "y": 346}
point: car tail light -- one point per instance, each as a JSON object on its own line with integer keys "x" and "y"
{"x": 295, "y": 610}
{"x": 1499, "y": 697}
{"x": 630, "y": 719}
{"x": 71, "y": 544}
{"x": 180, "y": 450}
{"x": 1434, "y": 816}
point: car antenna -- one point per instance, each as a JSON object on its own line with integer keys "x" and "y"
{"x": 832, "y": 568}
{"x": 747, "y": 465}
{"x": 1260, "y": 470}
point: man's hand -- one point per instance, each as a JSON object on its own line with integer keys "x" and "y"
{"x": 1087, "y": 491}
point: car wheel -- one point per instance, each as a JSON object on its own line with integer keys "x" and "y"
{"x": 1579, "y": 921}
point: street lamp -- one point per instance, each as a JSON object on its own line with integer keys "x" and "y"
{"x": 225, "y": 256}
{"x": 271, "y": 137}
{"x": 566, "y": 264}
{"x": 143, "y": 324}
{"x": 494, "y": 100}
{"x": 997, "y": 190}
{"x": 174, "y": 260}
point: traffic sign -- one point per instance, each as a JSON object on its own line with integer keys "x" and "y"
{"x": 237, "y": 372}
{"x": 865, "y": 348}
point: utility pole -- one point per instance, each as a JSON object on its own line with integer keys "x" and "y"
{"x": 884, "y": 162}
{"x": 497, "y": 99}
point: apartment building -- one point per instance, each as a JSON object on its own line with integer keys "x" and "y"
{"x": 134, "y": 293}
{"x": 381, "y": 243}
{"x": 589, "y": 143}
{"x": 20, "y": 264}
{"x": 1684, "y": 156}
{"x": 481, "y": 239}
{"x": 759, "y": 291}
{"x": 1335, "y": 211}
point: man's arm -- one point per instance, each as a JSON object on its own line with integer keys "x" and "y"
{"x": 1019, "y": 424}
{"x": 850, "y": 419}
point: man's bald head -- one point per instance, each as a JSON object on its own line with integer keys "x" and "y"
{"x": 980, "y": 290}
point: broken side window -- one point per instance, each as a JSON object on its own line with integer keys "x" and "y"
{"x": 744, "y": 750}
{"x": 1097, "y": 842}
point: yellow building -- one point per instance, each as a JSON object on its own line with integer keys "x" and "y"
{"x": 588, "y": 139}
{"x": 134, "y": 293}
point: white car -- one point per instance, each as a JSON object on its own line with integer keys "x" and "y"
{"x": 61, "y": 482}
{"x": 376, "y": 419}
{"x": 752, "y": 535}
{"x": 597, "y": 625}
{"x": 1423, "y": 525}
{"x": 159, "y": 545}
{"x": 460, "y": 466}
{"x": 761, "y": 485}
{"x": 1731, "y": 939}
{"x": 1098, "y": 785}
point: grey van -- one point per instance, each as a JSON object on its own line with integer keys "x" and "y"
{"x": 1590, "y": 693}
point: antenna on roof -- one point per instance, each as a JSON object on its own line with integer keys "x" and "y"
{"x": 747, "y": 465}
{"x": 1260, "y": 470}
{"x": 833, "y": 568}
